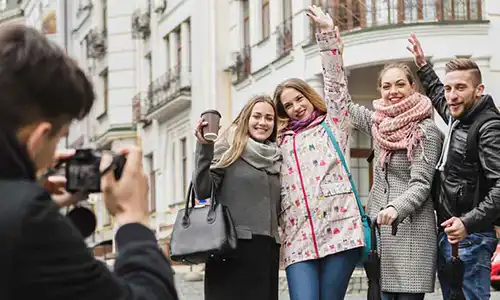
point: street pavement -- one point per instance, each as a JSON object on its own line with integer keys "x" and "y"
{"x": 193, "y": 290}
{"x": 434, "y": 296}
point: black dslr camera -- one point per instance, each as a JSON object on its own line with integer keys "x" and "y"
{"x": 83, "y": 175}
{"x": 82, "y": 170}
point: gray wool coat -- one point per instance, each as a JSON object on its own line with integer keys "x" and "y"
{"x": 408, "y": 260}
{"x": 252, "y": 195}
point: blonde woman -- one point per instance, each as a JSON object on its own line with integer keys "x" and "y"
{"x": 322, "y": 228}
{"x": 244, "y": 165}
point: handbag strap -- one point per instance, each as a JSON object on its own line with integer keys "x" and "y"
{"x": 346, "y": 168}
{"x": 191, "y": 198}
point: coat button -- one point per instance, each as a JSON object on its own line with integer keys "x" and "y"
{"x": 385, "y": 190}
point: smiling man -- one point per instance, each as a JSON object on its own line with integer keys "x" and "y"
{"x": 467, "y": 193}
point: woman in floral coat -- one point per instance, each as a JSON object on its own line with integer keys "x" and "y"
{"x": 322, "y": 232}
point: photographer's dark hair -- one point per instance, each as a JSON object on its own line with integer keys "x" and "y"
{"x": 38, "y": 81}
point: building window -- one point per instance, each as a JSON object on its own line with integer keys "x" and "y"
{"x": 184, "y": 165}
{"x": 83, "y": 51}
{"x": 174, "y": 172}
{"x": 167, "y": 52}
{"x": 149, "y": 58}
{"x": 149, "y": 71}
{"x": 362, "y": 170}
{"x": 189, "y": 45}
{"x": 179, "y": 49}
{"x": 266, "y": 19}
{"x": 287, "y": 10}
{"x": 105, "y": 90}
{"x": 152, "y": 183}
{"x": 104, "y": 4}
{"x": 87, "y": 48}
{"x": 246, "y": 24}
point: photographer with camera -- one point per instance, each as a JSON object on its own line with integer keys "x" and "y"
{"x": 42, "y": 253}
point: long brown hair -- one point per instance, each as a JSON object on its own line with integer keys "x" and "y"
{"x": 241, "y": 131}
{"x": 302, "y": 87}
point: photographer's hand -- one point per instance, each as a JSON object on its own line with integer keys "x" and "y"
{"x": 127, "y": 198}
{"x": 55, "y": 185}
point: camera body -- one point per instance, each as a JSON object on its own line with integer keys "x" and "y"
{"x": 83, "y": 173}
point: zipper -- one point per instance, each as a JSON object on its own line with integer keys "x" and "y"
{"x": 305, "y": 197}
{"x": 457, "y": 198}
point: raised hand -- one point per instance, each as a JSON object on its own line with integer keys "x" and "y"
{"x": 198, "y": 132}
{"x": 416, "y": 50}
{"x": 324, "y": 21}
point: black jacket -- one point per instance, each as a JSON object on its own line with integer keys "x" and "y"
{"x": 470, "y": 190}
{"x": 43, "y": 256}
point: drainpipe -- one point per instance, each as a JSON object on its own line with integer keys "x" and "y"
{"x": 66, "y": 18}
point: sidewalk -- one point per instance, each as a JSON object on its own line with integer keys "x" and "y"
{"x": 190, "y": 284}
{"x": 357, "y": 285}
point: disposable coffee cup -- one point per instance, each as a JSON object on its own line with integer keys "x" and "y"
{"x": 211, "y": 131}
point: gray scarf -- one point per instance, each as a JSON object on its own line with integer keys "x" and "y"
{"x": 262, "y": 156}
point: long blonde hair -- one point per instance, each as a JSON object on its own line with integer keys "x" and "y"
{"x": 239, "y": 129}
{"x": 302, "y": 87}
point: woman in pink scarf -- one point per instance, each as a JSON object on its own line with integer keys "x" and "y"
{"x": 407, "y": 145}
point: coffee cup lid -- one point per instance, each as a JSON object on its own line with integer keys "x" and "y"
{"x": 212, "y": 111}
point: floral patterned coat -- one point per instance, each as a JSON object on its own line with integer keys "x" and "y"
{"x": 319, "y": 214}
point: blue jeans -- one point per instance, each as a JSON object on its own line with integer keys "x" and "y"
{"x": 326, "y": 278}
{"x": 475, "y": 252}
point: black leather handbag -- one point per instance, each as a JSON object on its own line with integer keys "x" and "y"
{"x": 202, "y": 232}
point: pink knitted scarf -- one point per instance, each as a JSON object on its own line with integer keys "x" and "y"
{"x": 395, "y": 125}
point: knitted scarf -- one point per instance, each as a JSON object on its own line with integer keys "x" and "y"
{"x": 298, "y": 125}
{"x": 395, "y": 125}
{"x": 262, "y": 156}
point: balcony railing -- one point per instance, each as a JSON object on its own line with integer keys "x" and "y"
{"x": 141, "y": 24}
{"x": 166, "y": 88}
{"x": 361, "y": 14}
{"x": 138, "y": 103}
{"x": 97, "y": 43}
{"x": 284, "y": 38}
{"x": 243, "y": 66}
